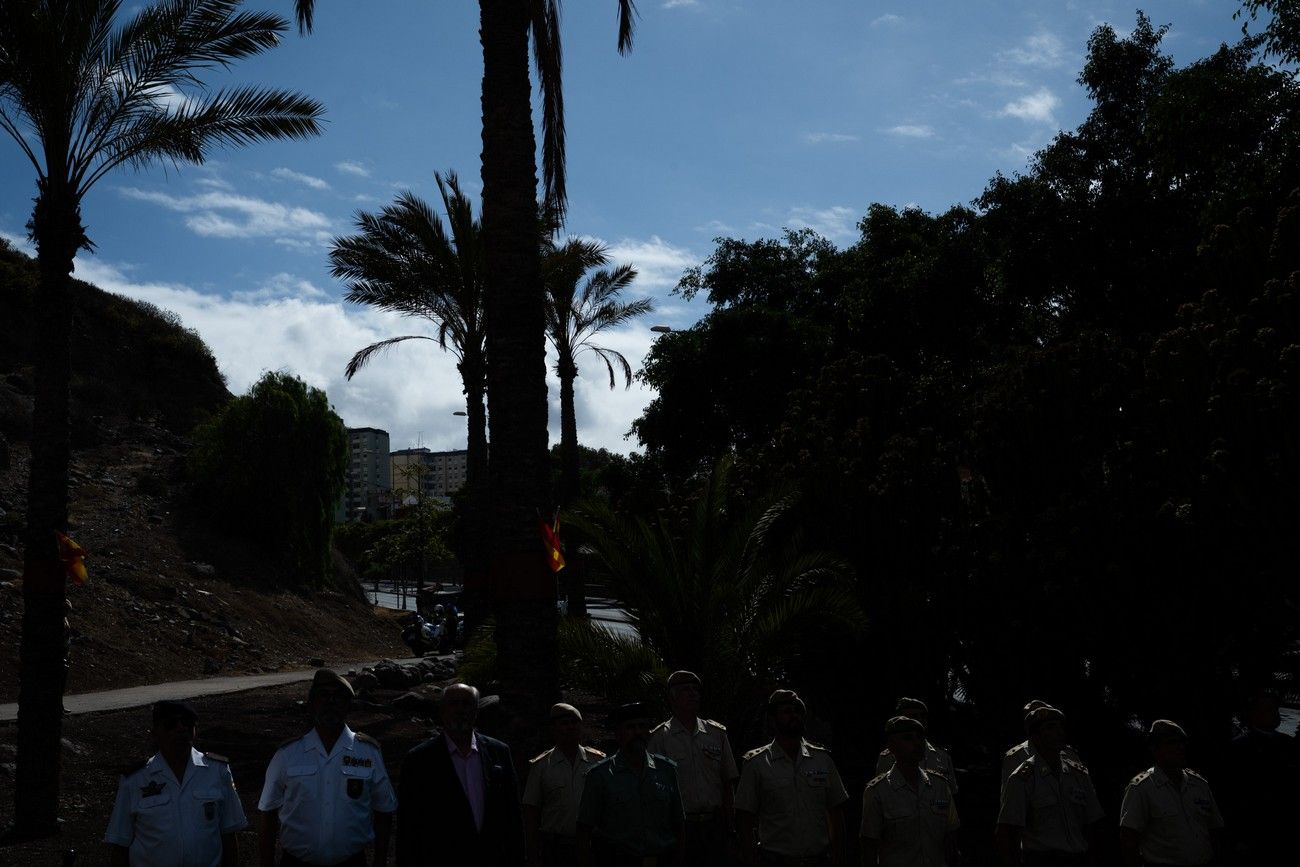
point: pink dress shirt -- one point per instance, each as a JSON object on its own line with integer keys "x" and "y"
{"x": 469, "y": 767}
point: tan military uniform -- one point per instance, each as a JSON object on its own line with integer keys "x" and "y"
{"x": 554, "y": 787}
{"x": 1016, "y": 756}
{"x": 1174, "y": 823}
{"x": 910, "y": 823}
{"x": 1052, "y": 810}
{"x": 792, "y": 798}
{"x": 704, "y": 760}
{"x": 935, "y": 760}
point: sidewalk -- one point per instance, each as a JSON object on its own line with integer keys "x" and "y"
{"x": 138, "y": 696}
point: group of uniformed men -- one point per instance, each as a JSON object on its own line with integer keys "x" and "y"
{"x": 664, "y": 799}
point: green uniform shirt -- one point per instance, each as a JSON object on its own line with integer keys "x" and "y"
{"x": 636, "y": 813}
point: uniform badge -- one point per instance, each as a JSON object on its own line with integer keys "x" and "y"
{"x": 354, "y": 788}
{"x": 154, "y": 788}
{"x": 209, "y": 810}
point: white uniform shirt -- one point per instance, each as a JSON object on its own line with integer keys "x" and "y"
{"x": 1052, "y": 809}
{"x": 165, "y": 823}
{"x": 555, "y": 786}
{"x": 935, "y": 759}
{"x": 325, "y": 800}
{"x": 1023, "y": 751}
{"x": 909, "y": 823}
{"x": 1174, "y": 823}
{"x": 705, "y": 763}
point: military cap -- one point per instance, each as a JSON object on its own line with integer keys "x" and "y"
{"x": 899, "y": 724}
{"x": 677, "y": 678}
{"x": 560, "y": 710}
{"x": 1033, "y": 705}
{"x": 168, "y": 710}
{"x": 1166, "y": 730}
{"x": 913, "y": 705}
{"x": 326, "y": 679}
{"x": 785, "y": 696}
{"x": 1040, "y": 715}
{"x": 628, "y": 712}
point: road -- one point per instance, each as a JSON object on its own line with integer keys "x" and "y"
{"x": 139, "y": 696}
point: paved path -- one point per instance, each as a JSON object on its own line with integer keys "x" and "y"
{"x": 138, "y": 696}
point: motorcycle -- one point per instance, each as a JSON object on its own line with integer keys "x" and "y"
{"x": 421, "y": 635}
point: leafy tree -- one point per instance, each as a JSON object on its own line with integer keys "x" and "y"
{"x": 523, "y": 586}
{"x": 82, "y": 97}
{"x": 269, "y": 468}
{"x": 732, "y": 592}
{"x": 1282, "y": 33}
{"x": 406, "y": 260}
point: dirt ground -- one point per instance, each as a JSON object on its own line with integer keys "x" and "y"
{"x": 152, "y": 610}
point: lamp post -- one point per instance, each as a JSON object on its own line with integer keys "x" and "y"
{"x": 661, "y": 329}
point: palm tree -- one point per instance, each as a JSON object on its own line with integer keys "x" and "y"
{"x": 514, "y": 308}
{"x": 82, "y": 97}
{"x": 573, "y": 319}
{"x": 405, "y": 260}
{"x": 730, "y": 593}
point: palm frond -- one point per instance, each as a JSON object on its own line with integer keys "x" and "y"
{"x": 548, "y": 56}
{"x": 364, "y": 356}
{"x": 305, "y": 12}
{"x": 627, "y": 15}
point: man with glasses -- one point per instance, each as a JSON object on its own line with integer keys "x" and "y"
{"x": 327, "y": 794}
{"x": 178, "y": 808}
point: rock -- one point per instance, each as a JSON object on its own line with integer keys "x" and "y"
{"x": 158, "y": 592}
{"x": 365, "y": 682}
{"x": 316, "y": 662}
{"x": 423, "y": 701}
{"x": 204, "y": 570}
{"x": 155, "y": 519}
{"x": 210, "y": 665}
{"x": 10, "y": 574}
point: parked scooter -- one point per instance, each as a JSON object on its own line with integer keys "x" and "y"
{"x": 422, "y": 636}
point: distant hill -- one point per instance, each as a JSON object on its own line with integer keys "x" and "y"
{"x": 130, "y": 359}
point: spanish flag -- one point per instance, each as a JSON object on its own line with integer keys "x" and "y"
{"x": 74, "y": 559}
{"x": 551, "y": 541}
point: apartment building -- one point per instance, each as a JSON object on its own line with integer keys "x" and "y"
{"x": 368, "y": 483}
{"x": 439, "y": 474}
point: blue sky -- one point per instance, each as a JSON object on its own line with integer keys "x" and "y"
{"x": 730, "y": 117}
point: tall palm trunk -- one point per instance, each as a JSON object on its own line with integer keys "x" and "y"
{"x": 478, "y": 506}
{"x": 57, "y": 230}
{"x": 522, "y": 586}
{"x": 575, "y": 587}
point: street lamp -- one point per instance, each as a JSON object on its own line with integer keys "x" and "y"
{"x": 661, "y": 329}
{"x": 460, "y": 412}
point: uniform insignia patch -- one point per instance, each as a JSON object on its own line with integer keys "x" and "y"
{"x": 154, "y": 788}
{"x": 354, "y": 788}
{"x": 358, "y": 763}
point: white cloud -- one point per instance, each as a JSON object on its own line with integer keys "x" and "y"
{"x": 1042, "y": 49}
{"x": 674, "y": 4}
{"x": 298, "y": 177}
{"x": 836, "y": 222}
{"x": 351, "y": 167}
{"x": 222, "y": 214}
{"x": 715, "y": 228}
{"x": 659, "y": 264}
{"x": 1038, "y": 107}
{"x": 824, "y": 137}
{"x": 888, "y": 20}
{"x": 909, "y": 130}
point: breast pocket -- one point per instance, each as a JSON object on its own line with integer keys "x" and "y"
{"x": 779, "y": 793}
{"x": 206, "y": 804}
{"x": 817, "y": 786}
{"x": 356, "y": 783}
{"x": 299, "y": 781}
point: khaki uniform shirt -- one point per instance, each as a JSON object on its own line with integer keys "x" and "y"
{"x": 935, "y": 760}
{"x": 1174, "y": 823}
{"x": 1016, "y": 756}
{"x": 792, "y": 798}
{"x": 909, "y": 823}
{"x": 1051, "y": 810}
{"x": 704, "y": 761}
{"x": 555, "y": 785}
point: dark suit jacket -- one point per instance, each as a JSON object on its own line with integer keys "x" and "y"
{"x": 434, "y": 821}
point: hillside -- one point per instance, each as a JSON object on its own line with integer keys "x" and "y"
{"x": 167, "y": 598}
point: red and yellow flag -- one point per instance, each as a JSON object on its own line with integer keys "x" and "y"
{"x": 74, "y": 559}
{"x": 551, "y": 540}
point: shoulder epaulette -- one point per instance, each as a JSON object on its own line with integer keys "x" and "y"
{"x": 1011, "y": 752}
{"x": 217, "y": 757}
{"x": 876, "y": 779}
{"x": 749, "y": 755}
{"x": 543, "y": 754}
{"x": 129, "y": 769}
{"x": 1189, "y": 772}
{"x": 715, "y": 724}
{"x": 665, "y": 759}
{"x": 940, "y": 774}
{"x": 821, "y": 747}
{"x": 600, "y": 754}
{"x": 663, "y": 725}
{"x": 885, "y": 752}
{"x": 1075, "y": 764}
{"x": 1140, "y": 777}
{"x": 367, "y": 739}
{"x": 289, "y": 741}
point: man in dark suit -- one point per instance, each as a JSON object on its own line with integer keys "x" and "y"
{"x": 458, "y": 799}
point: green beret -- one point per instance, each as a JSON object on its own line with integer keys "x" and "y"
{"x": 1166, "y": 730}
{"x": 785, "y": 696}
{"x": 677, "y": 678}
{"x": 899, "y": 724}
{"x": 1040, "y": 715}
{"x": 561, "y": 710}
{"x": 628, "y": 712}
{"x": 914, "y": 705}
